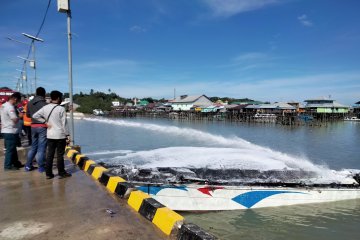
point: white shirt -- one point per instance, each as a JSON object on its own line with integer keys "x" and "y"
{"x": 57, "y": 124}
{"x": 8, "y": 118}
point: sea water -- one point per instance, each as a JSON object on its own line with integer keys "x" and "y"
{"x": 332, "y": 151}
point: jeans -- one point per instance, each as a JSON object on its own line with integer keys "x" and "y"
{"x": 11, "y": 157}
{"x": 58, "y": 145}
{"x": 38, "y": 147}
{"x": 27, "y": 130}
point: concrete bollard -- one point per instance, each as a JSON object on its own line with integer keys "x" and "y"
{"x": 124, "y": 189}
{"x": 149, "y": 207}
{"x": 77, "y": 148}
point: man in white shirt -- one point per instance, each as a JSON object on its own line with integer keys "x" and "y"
{"x": 9, "y": 120}
{"x": 57, "y": 133}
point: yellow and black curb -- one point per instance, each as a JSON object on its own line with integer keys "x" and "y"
{"x": 167, "y": 220}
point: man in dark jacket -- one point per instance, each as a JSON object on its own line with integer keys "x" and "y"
{"x": 38, "y": 132}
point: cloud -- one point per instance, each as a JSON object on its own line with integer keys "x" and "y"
{"x": 108, "y": 63}
{"x": 342, "y": 86}
{"x": 305, "y": 21}
{"x": 228, "y": 8}
{"x": 137, "y": 29}
{"x": 249, "y": 61}
{"x": 251, "y": 56}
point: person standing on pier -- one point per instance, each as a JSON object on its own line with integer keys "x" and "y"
{"x": 9, "y": 120}
{"x": 57, "y": 133}
{"x": 38, "y": 132}
{"x": 27, "y": 122}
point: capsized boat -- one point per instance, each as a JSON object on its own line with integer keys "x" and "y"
{"x": 218, "y": 197}
{"x": 184, "y": 189}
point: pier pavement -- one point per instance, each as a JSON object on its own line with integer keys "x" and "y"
{"x": 33, "y": 207}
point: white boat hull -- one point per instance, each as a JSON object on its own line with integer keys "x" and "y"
{"x": 352, "y": 119}
{"x": 214, "y": 198}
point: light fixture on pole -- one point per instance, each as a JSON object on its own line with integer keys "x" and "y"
{"x": 11, "y": 61}
{"x": 64, "y": 7}
{"x": 33, "y": 65}
{"x": 11, "y": 39}
{"x": 31, "y": 61}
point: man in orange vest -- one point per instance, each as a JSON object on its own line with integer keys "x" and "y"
{"x": 27, "y": 123}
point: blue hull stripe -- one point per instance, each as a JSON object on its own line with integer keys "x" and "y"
{"x": 251, "y": 198}
{"x": 156, "y": 189}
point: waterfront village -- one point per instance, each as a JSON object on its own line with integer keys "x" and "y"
{"x": 201, "y": 107}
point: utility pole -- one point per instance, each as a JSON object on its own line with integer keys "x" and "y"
{"x": 25, "y": 61}
{"x": 23, "y": 79}
{"x": 64, "y": 6}
{"x": 33, "y": 62}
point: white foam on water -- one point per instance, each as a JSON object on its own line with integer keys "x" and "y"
{"x": 233, "y": 152}
{"x": 109, "y": 152}
{"x": 201, "y": 157}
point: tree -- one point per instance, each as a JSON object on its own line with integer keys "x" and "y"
{"x": 95, "y": 100}
{"x": 149, "y": 99}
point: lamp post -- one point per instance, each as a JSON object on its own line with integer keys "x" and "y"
{"x": 21, "y": 86}
{"x": 64, "y": 7}
{"x": 30, "y": 61}
{"x": 17, "y": 87}
{"x": 18, "y": 83}
{"x": 33, "y": 39}
{"x": 33, "y": 63}
{"x": 23, "y": 78}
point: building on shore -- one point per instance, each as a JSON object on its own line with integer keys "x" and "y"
{"x": 235, "y": 109}
{"x": 272, "y": 108}
{"x": 357, "y": 108}
{"x": 142, "y": 103}
{"x": 250, "y": 102}
{"x": 186, "y": 103}
{"x": 300, "y": 108}
{"x": 325, "y": 105}
{"x": 207, "y": 108}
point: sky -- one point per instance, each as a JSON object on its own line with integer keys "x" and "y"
{"x": 266, "y": 50}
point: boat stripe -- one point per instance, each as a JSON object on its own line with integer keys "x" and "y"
{"x": 154, "y": 190}
{"x": 251, "y": 198}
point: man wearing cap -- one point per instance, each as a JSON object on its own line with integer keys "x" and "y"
{"x": 9, "y": 120}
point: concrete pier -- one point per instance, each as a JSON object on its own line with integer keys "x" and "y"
{"x": 32, "y": 207}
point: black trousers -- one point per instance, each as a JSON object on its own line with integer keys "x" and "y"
{"x": 57, "y": 145}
